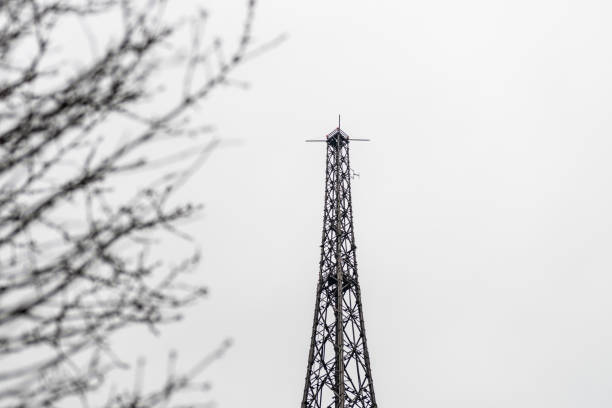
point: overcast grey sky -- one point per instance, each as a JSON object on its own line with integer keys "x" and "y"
{"x": 482, "y": 212}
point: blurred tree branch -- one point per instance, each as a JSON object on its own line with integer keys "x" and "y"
{"x": 78, "y": 258}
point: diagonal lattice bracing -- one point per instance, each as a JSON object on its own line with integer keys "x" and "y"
{"x": 338, "y": 373}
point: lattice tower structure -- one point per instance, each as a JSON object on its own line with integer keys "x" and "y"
{"x": 338, "y": 374}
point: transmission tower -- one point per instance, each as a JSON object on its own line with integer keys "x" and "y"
{"x": 338, "y": 373}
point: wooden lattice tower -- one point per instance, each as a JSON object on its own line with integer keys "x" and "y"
{"x": 338, "y": 373}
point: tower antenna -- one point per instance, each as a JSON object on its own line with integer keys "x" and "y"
{"x": 330, "y": 137}
{"x": 338, "y": 373}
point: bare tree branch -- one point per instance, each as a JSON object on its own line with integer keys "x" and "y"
{"x": 77, "y": 239}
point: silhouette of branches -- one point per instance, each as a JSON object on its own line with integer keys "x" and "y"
{"x": 86, "y": 198}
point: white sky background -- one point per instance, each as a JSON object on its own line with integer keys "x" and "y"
{"x": 483, "y": 210}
